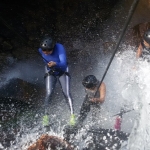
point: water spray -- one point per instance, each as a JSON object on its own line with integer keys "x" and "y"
{"x": 131, "y": 12}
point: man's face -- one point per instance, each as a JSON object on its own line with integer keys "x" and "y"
{"x": 47, "y": 52}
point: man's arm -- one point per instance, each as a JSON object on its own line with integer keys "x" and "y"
{"x": 85, "y": 109}
{"x": 139, "y": 51}
{"x": 102, "y": 91}
{"x": 62, "y": 57}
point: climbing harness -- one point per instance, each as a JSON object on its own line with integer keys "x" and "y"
{"x": 53, "y": 70}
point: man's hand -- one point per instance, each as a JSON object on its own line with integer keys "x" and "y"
{"x": 97, "y": 100}
{"x": 51, "y": 64}
{"x": 94, "y": 100}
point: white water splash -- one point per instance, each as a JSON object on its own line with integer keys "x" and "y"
{"x": 139, "y": 138}
{"x": 127, "y": 82}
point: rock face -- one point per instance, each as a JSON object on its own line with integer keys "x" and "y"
{"x": 25, "y": 23}
{"x": 21, "y": 90}
{"x": 16, "y": 97}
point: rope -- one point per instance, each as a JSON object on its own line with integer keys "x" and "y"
{"x": 131, "y": 11}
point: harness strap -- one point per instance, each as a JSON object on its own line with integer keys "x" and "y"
{"x": 67, "y": 73}
{"x": 60, "y": 74}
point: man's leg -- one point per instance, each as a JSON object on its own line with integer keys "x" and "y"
{"x": 85, "y": 109}
{"x": 65, "y": 84}
{"x": 96, "y": 108}
{"x": 50, "y": 82}
{"x": 83, "y": 114}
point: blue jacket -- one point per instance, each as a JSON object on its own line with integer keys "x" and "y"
{"x": 58, "y": 55}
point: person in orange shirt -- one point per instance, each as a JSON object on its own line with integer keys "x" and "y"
{"x": 144, "y": 47}
{"x": 95, "y": 94}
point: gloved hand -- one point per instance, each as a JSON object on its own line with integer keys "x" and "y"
{"x": 72, "y": 120}
{"x": 45, "y": 120}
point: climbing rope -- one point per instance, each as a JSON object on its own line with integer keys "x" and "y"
{"x": 131, "y": 11}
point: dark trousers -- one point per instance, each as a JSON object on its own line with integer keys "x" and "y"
{"x": 86, "y": 108}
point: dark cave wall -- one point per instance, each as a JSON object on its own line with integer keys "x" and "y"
{"x": 23, "y": 23}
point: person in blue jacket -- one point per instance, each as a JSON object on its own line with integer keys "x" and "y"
{"x": 56, "y": 68}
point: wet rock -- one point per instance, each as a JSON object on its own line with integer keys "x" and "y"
{"x": 52, "y": 142}
{"x": 20, "y": 90}
{"x": 11, "y": 108}
{"x": 108, "y": 46}
{"x": 11, "y": 111}
{"x": 7, "y": 46}
{"x": 18, "y": 99}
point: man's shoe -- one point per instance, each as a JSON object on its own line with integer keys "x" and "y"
{"x": 45, "y": 120}
{"x": 72, "y": 120}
